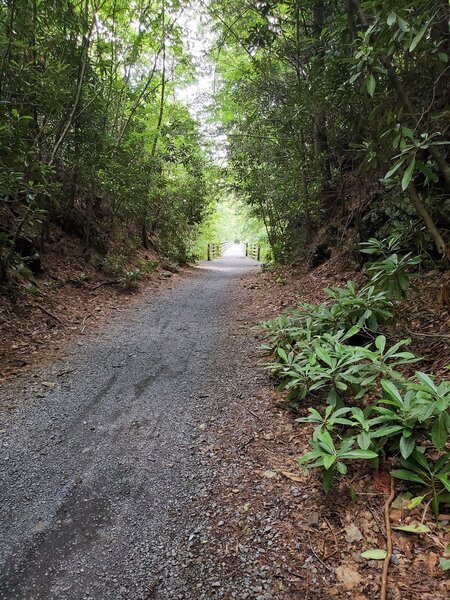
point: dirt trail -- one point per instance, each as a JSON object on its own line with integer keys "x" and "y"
{"x": 99, "y": 458}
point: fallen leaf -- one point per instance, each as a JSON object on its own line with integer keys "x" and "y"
{"x": 269, "y": 474}
{"x": 413, "y": 528}
{"x": 48, "y": 384}
{"x": 395, "y": 514}
{"x": 374, "y": 554}
{"x": 312, "y": 518}
{"x": 292, "y": 476}
{"x": 428, "y": 558}
{"x": 348, "y": 577}
{"x": 402, "y": 500}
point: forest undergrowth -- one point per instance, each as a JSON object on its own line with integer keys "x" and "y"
{"x": 367, "y": 505}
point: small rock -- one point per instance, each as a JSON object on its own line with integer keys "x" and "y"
{"x": 352, "y": 533}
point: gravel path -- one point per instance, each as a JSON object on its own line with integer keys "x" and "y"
{"x": 100, "y": 460}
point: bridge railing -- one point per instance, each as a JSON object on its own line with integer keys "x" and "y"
{"x": 253, "y": 251}
{"x": 250, "y": 250}
{"x": 214, "y": 250}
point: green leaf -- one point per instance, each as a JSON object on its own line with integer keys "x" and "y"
{"x": 392, "y": 17}
{"x": 413, "y": 528}
{"x": 407, "y": 476}
{"x": 363, "y": 440}
{"x": 415, "y": 502}
{"x": 407, "y": 175}
{"x": 394, "y": 168}
{"x": 380, "y": 343}
{"x": 325, "y": 438}
{"x": 425, "y": 170}
{"x": 391, "y": 390}
{"x": 416, "y": 39}
{"x": 403, "y": 24}
{"x": 359, "y": 454}
{"x": 323, "y": 355}
{"x": 445, "y": 482}
{"x": 443, "y": 57}
{"x": 328, "y": 477}
{"x": 371, "y": 84}
{"x": 426, "y": 380}
{"x": 407, "y": 445}
{"x": 387, "y": 431}
{"x": 374, "y": 554}
{"x": 342, "y": 468}
{"x": 282, "y": 354}
{"x": 328, "y": 461}
{"x": 439, "y": 432}
{"x": 444, "y": 563}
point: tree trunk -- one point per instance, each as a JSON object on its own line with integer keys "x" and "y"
{"x": 429, "y": 223}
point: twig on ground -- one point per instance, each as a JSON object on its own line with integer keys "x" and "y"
{"x": 432, "y": 335}
{"x": 50, "y": 314}
{"x": 65, "y": 372}
{"x": 105, "y": 283}
{"x": 318, "y": 557}
{"x": 387, "y": 560}
{"x": 83, "y": 324}
{"x": 254, "y": 414}
{"x": 332, "y": 533}
{"x": 247, "y": 442}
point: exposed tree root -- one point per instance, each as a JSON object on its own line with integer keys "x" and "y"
{"x": 387, "y": 560}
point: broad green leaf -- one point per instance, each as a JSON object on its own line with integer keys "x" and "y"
{"x": 445, "y": 482}
{"x": 359, "y": 454}
{"x": 282, "y": 354}
{"x": 402, "y": 24}
{"x": 328, "y": 461}
{"x": 342, "y": 468}
{"x": 407, "y": 476}
{"x": 386, "y": 431}
{"x": 415, "y": 502}
{"x": 371, "y": 84}
{"x": 391, "y": 390}
{"x": 363, "y": 440}
{"x": 407, "y": 445}
{"x": 327, "y": 481}
{"x": 426, "y": 380}
{"x": 323, "y": 355}
{"x": 444, "y": 563}
{"x": 380, "y": 343}
{"x": 407, "y": 176}
{"x": 427, "y": 171}
{"x": 439, "y": 432}
{"x": 392, "y": 17}
{"x": 416, "y": 39}
{"x": 394, "y": 169}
